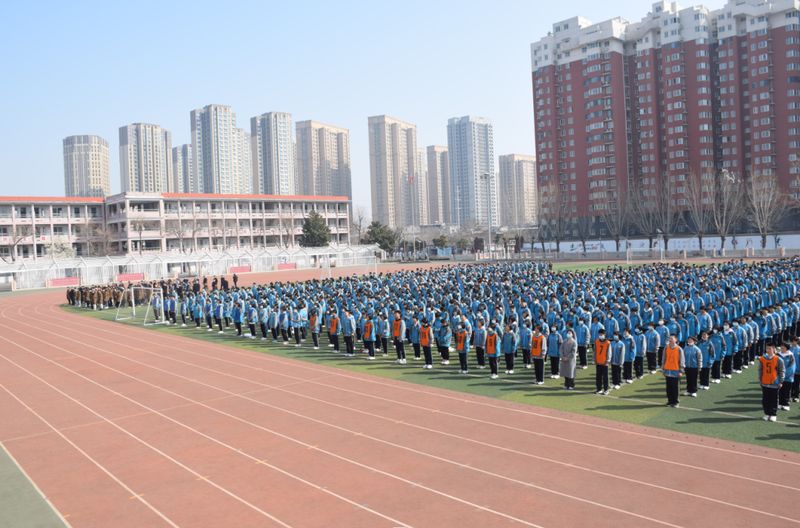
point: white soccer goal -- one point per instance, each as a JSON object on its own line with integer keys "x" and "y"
{"x": 142, "y": 304}
{"x": 361, "y": 265}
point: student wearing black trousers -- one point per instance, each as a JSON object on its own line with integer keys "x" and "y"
{"x": 673, "y": 363}
{"x": 785, "y": 393}
{"x": 538, "y": 352}
{"x": 492, "y": 350}
{"x": 770, "y": 374}
{"x": 693, "y": 358}
{"x": 602, "y": 356}
{"x": 425, "y": 341}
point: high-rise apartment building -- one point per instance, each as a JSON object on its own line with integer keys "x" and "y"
{"x": 420, "y": 184}
{"x": 273, "y": 153}
{"x": 683, "y": 93}
{"x": 438, "y": 185}
{"x": 473, "y": 182}
{"x": 182, "y": 169}
{"x": 392, "y": 167}
{"x": 517, "y": 190}
{"x": 244, "y": 161}
{"x": 217, "y": 151}
{"x": 323, "y": 160}
{"x": 145, "y": 158}
{"x": 86, "y": 171}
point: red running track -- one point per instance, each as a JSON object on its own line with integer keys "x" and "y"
{"x": 120, "y": 426}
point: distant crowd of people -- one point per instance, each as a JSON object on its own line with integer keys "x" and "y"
{"x": 699, "y": 324}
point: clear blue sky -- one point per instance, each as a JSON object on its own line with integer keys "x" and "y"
{"x": 90, "y": 67}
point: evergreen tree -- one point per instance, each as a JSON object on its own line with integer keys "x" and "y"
{"x": 316, "y": 232}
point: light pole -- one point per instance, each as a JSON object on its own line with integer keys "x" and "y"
{"x": 488, "y": 176}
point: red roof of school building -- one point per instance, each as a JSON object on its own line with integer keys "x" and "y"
{"x": 278, "y": 197}
{"x": 48, "y": 199}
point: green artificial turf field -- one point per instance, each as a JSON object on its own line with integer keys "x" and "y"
{"x": 730, "y": 410}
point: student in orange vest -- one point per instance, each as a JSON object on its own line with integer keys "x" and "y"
{"x": 492, "y": 349}
{"x": 333, "y": 329}
{"x": 538, "y": 353}
{"x": 770, "y": 375}
{"x": 399, "y": 335}
{"x": 462, "y": 346}
{"x": 368, "y": 333}
{"x": 425, "y": 341}
{"x": 602, "y": 356}
{"x": 673, "y": 365}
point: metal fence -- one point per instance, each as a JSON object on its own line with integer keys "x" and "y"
{"x": 51, "y": 273}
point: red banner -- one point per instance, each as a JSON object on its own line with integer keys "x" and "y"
{"x": 239, "y": 269}
{"x": 130, "y": 277}
{"x": 286, "y": 266}
{"x": 64, "y": 281}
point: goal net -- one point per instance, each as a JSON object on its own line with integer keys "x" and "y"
{"x": 142, "y": 305}
{"x": 362, "y": 265}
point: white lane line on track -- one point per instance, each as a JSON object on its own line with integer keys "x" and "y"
{"x": 477, "y": 420}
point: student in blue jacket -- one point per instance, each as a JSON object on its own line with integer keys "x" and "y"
{"x": 554, "y": 341}
{"x": 641, "y": 350}
{"x": 789, "y": 368}
{"x": 443, "y": 338}
{"x": 479, "y": 342}
{"x": 653, "y": 345}
{"x": 508, "y": 346}
{"x": 582, "y": 337}
{"x": 718, "y": 343}
{"x": 414, "y": 336}
{"x": 693, "y": 361}
{"x": 525, "y": 334}
{"x": 492, "y": 349}
{"x": 708, "y": 353}
{"x": 795, "y": 348}
{"x": 630, "y": 355}
{"x": 617, "y": 359}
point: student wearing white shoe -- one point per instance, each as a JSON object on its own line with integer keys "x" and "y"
{"x": 492, "y": 349}
{"x": 443, "y": 339}
{"x": 508, "y": 345}
{"x": 462, "y": 346}
{"x": 425, "y": 341}
{"x": 795, "y": 348}
{"x": 785, "y": 394}
{"x": 770, "y": 375}
{"x": 314, "y": 325}
{"x": 602, "y": 355}
{"x": 368, "y": 335}
{"x": 693, "y": 357}
{"x": 708, "y": 353}
{"x": 480, "y": 343}
{"x": 398, "y": 336}
{"x": 348, "y": 332}
{"x": 538, "y": 352}
{"x": 673, "y": 364}
{"x": 568, "y": 353}
{"x": 554, "y": 340}
{"x": 617, "y": 359}
{"x": 525, "y": 334}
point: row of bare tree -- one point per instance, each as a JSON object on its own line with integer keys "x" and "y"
{"x": 709, "y": 205}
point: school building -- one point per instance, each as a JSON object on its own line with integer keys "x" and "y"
{"x": 35, "y": 227}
